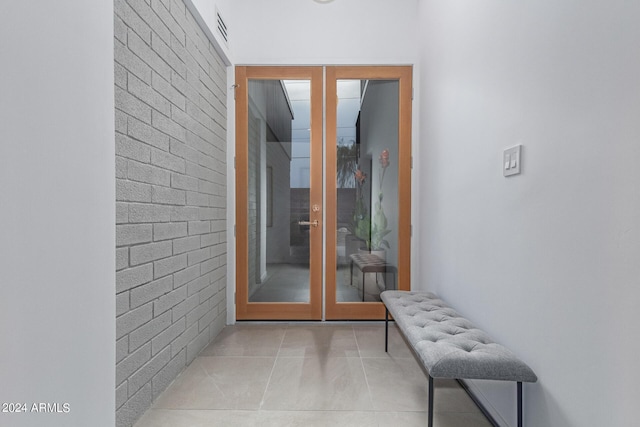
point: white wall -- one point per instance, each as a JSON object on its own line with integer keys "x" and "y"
{"x": 306, "y": 32}
{"x": 57, "y": 215}
{"x": 548, "y": 261}
{"x": 205, "y": 12}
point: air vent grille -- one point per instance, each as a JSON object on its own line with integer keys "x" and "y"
{"x": 222, "y": 28}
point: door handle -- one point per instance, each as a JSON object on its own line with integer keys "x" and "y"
{"x": 314, "y": 222}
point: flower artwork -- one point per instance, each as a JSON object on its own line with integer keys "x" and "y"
{"x": 372, "y": 230}
{"x": 384, "y": 162}
{"x": 379, "y": 228}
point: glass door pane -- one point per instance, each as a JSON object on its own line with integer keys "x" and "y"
{"x": 279, "y": 182}
{"x": 278, "y": 188}
{"x": 368, "y": 187}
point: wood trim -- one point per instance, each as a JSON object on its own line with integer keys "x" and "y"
{"x": 246, "y": 310}
{"x": 331, "y": 191}
{"x": 315, "y": 196}
{"x": 242, "y": 185}
{"x": 313, "y": 310}
{"x": 368, "y": 310}
{"x": 404, "y": 178}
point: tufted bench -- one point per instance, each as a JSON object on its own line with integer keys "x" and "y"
{"x": 449, "y": 346}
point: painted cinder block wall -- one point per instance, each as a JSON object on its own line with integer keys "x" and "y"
{"x": 170, "y": 122}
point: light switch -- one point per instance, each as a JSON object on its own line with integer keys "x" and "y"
{"x": 512, "y": 160}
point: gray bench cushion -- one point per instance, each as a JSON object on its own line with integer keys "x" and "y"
{"x": 449, "y": 345}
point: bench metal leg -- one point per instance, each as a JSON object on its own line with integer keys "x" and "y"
{"x": 386, "y": 330}
{"x": 519, "y": 404}
{"x": 430, "y": 414}
{"x": 351, "y": 276}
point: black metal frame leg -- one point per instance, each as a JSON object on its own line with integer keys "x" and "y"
{"x": 519, "y": 404}
{"x": 386, "y": 330}
{"x": 430, "y": 414}
{"x": 351, "y": 276}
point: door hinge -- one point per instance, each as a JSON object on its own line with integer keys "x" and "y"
{"x": 234, "y": 87}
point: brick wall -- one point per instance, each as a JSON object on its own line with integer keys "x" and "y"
{"x": 170, "y": 95}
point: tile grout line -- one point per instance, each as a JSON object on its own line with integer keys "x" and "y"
{"x": 364, "y": 371}
{"x": 273, "y": 368}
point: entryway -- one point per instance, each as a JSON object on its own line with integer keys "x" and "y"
{"x": 323, "y": 185}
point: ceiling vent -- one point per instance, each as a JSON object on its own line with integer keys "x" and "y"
{"x": 222, "y": 28}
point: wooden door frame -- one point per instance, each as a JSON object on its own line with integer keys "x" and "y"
{"x": 246, "y": 310}
{"x": 403, "y": 74}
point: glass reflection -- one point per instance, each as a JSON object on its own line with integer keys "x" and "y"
{"x": 279, "y": 156}
{"x": 367, "y": 188}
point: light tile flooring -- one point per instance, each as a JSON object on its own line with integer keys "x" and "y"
{"x": 308, "y": 374}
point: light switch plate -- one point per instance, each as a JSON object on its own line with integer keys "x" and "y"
{"x": 512, "y": 160}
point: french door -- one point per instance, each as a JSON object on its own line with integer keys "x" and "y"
{"x": 322, "y": 224}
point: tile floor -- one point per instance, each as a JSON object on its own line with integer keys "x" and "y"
{"x": 308, "y": 374}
